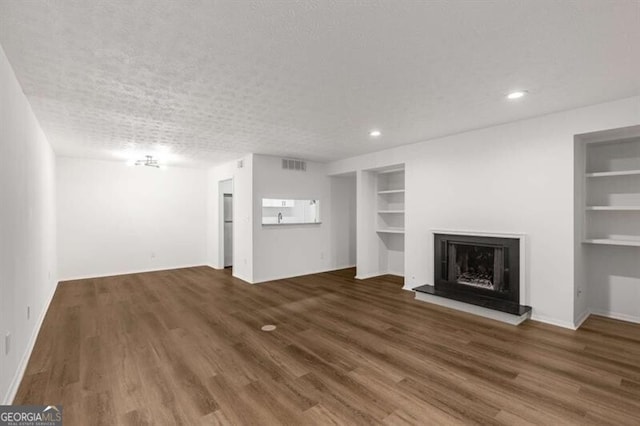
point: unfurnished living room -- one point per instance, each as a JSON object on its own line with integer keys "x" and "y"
{"x": 311, "y": 212}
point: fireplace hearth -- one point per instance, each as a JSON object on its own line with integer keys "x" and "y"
{"x": 478, "y": 270}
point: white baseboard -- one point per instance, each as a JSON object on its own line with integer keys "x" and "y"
{"x": 581, "y": 319}
{"x": 22, "y": 366}
{"x": 552, "y": 321}
{"x": 217, "y": 268}
{"x": 129, "y": 272}
{"x": 285, "y": 276}
{"x": 367, "y": 276}
{"x": 616, "y": 315}
{"x": 377, "y": 274}
{"x": 337, "y": 268}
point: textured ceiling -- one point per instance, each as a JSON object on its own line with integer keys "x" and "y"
{"x": 205, "y": 81}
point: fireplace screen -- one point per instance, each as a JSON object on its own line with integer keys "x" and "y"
{"x": 477, "y": 266}
{"x": 485, "y": 266}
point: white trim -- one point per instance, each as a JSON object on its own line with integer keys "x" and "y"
{"x": 393, "y": 170}
{"x": 241, "y": 278}
{"x": 472, "y": 309}
{"x": 552, "y": 321}
{"x": 285, "y": 277}
{"x": 481, "y": 233}
{"x": 220, "y": 223}
{"x": 581, "y": 319}
{"x": 22, "y": 367}
{"x": 138, "y": 271}
{"x": 617, "y": 316}
{"x": 367, "y": 276}
{"x": 379, "y": 274}
{"x": 337, "y": 268}
{"x": 524, "y": 296}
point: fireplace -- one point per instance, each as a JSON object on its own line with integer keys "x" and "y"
{"x": 487, "y": 267}
{"x": 479, "y": 274}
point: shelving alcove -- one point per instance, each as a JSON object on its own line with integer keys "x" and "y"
{"x": 390, "y": 214}
{"x": 612, "y": 192}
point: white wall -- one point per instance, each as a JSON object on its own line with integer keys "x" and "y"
{"x": 263, "y": 253}
{"x": 515, "y": 178}
{"x": 581, "y": 300}
{"x": 226, "y": 186}
{"x": 291, "y": 250}
{"x": 613, "y": 281}
{"x": 242, "y": 216}
{"x": 117, "y": 219}
{"x": 27, "y": 228}
{"x": 343, "y": 221}
{"x": 368, "y": 243}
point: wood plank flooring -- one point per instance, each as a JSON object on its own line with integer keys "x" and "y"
{"x": 185, "y": 347}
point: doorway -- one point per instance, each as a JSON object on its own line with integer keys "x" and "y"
{"x": 228, "y": 230}
{"x": 226, "y": 237}
{"x": 343, "y": 221}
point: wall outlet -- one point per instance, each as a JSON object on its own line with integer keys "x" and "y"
{"x": 321, "y": 255}
{"x": 579, "y": 292}
{"x": 7, "y": 343}
{"x": 28, "y": 312}
{"x": 153, "y": 254}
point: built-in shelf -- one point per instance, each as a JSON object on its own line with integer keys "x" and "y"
{"x": 388, "y": 210}
{"x": 611, "y": 191}
{"x": 614, "y": 208}
{"x": 618, "y": 173}
{"x": 396, "y": 170}
{"x": 610, "y": 242}
{"x": 390, "y": 231}
{"x": 392, "y": 191}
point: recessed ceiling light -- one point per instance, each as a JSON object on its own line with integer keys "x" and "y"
{"x": 517, "y": 94}
{"x": 375, "y": 133}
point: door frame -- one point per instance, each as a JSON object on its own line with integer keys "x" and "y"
{"x": 221, "y": 184}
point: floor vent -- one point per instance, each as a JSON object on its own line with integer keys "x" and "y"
{"x": 291, "y": 164}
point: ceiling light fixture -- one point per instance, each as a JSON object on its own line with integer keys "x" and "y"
{"x": 148, "y": 161}
{"x": 517, "y": 94}
{"x": 375, "y": 133}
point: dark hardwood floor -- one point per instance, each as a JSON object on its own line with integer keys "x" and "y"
{"x": 185, "y": 347}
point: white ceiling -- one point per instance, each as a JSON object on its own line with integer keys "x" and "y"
{"x": 209, "y": 80}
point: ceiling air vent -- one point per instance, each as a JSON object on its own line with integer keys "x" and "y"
{"x": 290, "y": 164}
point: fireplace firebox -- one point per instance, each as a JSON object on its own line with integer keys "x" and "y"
{"x": 478, "y": 265}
